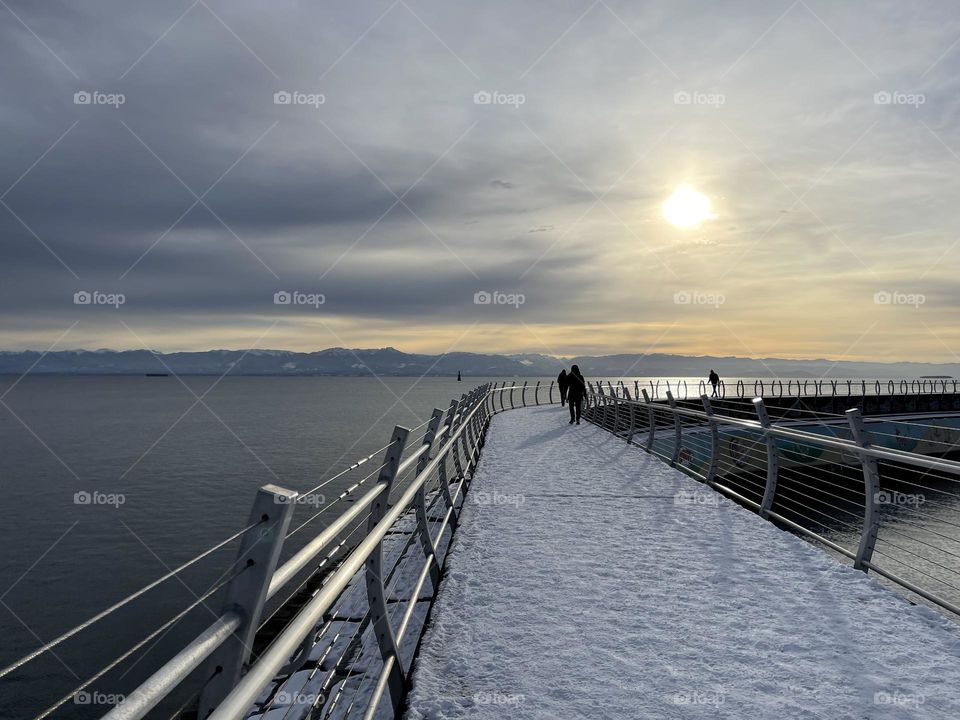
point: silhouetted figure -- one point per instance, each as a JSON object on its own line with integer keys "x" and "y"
{"x": 715, "y": 381}
{"x": 576, "y": 392}
{"x": 563, "y": 382}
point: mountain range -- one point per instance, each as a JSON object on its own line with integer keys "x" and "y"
{"x": 392, "y": 362}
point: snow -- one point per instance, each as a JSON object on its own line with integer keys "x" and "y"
{"x": 589, "y": 579}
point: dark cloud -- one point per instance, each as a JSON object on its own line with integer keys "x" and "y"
{"x": 802, "y": 162}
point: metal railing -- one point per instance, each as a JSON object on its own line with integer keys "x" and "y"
{"x": 389, "y": 538}
{"x": 746, "y": 388}
{"x": 802, "y": 474}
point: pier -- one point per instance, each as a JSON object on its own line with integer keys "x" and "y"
{"x": 672, "y": 557}
{"x": 591, "y": 579}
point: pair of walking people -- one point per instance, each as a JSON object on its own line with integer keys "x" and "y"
{"x": 573, "y": 390}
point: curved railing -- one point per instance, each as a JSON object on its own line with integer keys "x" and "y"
{"x": 388, "y": 538}
{"x": 801, "y": 470}
{"x": 746, "y": 388}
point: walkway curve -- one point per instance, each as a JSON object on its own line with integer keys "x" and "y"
{"x": 590, "y": 580}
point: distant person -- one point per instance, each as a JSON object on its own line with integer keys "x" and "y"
{"x": 564, "y": 382}
{"x": 576, "y": 392}
{"x": 715, "y": 381}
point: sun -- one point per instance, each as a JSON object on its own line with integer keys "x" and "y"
{"x": 687, "y": 208}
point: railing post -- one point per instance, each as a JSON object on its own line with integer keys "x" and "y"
{"x": 616, "y": 415}
{"x": 376, "y": 592}
{"x": 871, "y": 483}
{"x": 551, "y": 392}
{"x": 246, "y": 594}
{"x": 633, "y": 421}
{"x": 442, "y": 466}
{"x": 536, "y": 394}
{"x": 477, "y": 430}
{"x": 677, "y": 438}
{"x": 714, "y": 439}
{"x": 423, "y": 525}
{"x": 773, "y": 460}
{"x": 457, "y": 420}
{"x": 523, "y": 394}
{"x": 652, "y": 417}
{"x": 469, "y": 436}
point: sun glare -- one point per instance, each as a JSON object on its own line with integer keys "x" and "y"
{"x": 687, "y": 208}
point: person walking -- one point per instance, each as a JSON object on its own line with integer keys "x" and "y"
{"x": 576, "y": 392}
{"x": 715, "y": 381}
{"x": 563, "y": 382}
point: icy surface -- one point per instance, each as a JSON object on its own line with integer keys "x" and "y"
{"x": 591, "y": 580}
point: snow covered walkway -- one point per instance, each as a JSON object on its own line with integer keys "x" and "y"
{"x": 590, "y": 580}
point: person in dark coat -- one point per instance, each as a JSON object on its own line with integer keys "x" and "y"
{"x": 576, "y": 392}
{"x": 715, "y": 381}
{"x": 563, "y": 382}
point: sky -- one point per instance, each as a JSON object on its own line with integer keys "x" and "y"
{"x": 490, "y": 177}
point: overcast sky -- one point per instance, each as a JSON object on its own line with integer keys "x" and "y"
{"x": 824, "y": 135}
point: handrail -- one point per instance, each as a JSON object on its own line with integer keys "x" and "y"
{"x": 666, "y": 441}
{"x": 746, "y": 388}
{"x": 236, "y": 705}
{"x": 878, "y": 453}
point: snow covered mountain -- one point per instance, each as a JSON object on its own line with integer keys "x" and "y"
{"x": 392, "y": 362}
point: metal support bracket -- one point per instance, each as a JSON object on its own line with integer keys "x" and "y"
{"x": 376, "y": 593}
{"x": 714, "y": 439}
{"x": 773, "y": 460}
{"x": 677, "y": 437}
{"x": 871, "y": 486}
{"x": 246, "y": 594}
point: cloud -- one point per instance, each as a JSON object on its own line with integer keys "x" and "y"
{"x": 380, "y": 196}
